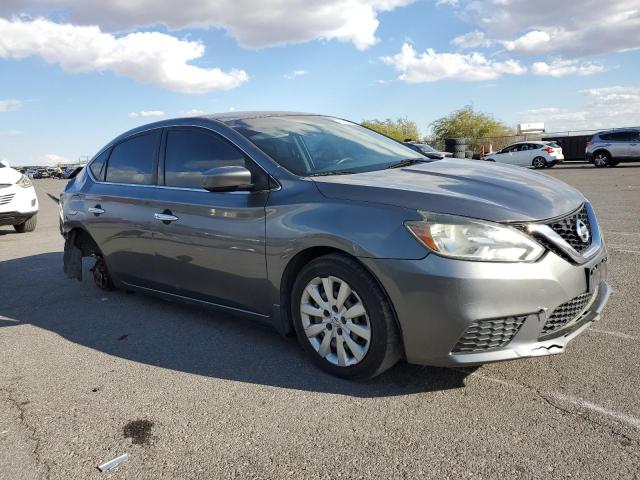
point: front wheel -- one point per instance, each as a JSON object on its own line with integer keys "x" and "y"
{"x": 539, "y": 162}
{"x": 343, "y": 319}
{"x": 28, "y": 225}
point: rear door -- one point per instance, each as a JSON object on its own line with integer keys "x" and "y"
{"x": 619, "y": 146}
{"x": 633, "y": 146}
{"x": 214, "y": 250}
{"x": 119, "y": 207}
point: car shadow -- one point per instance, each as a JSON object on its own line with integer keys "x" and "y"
{"x": 183, "y": 338}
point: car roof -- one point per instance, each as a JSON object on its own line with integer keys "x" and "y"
{"x": 617, "y": 130}
{"x": 234, "y": 116}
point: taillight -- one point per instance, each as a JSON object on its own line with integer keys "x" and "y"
{"x": 548, "y": 150}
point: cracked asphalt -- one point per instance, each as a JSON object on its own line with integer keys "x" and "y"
{"x": 86, "y": 376}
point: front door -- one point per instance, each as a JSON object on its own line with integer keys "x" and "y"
{"x": 211, "y": 247}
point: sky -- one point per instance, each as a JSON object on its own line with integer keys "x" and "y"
{"x": 76, "y": 73}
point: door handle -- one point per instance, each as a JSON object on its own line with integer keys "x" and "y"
{"x": 97, "y": 210}
{"x": 165, "y": 217}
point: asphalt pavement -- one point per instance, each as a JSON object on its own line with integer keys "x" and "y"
{"x": 87, "y": 375}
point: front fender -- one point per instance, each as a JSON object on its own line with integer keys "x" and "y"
{"x": 299, "y": 218}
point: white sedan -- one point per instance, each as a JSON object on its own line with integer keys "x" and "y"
{"x": 529, "y": 154}
{"x": 18, "y": 200}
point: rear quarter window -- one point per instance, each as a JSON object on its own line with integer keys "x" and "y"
{"x": 97, "y": 165}
{"x": 132, "y": 161}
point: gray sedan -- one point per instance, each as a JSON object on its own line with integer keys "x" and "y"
{"x": 318, "y": 226}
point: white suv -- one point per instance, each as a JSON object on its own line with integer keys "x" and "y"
{"x": 18, "y": 200}
{"x": 529, "y": 154}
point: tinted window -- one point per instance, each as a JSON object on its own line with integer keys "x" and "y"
{"x": 132, "y": 160}
{"x": 191, "y": 152}
{"x": 620, "y": 136}
{"x": 97, "y": 166}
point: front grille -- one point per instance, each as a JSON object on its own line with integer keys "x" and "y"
{"x": 566, "y": 313}
{"x": 566, "y": 228}
{"x": 484, "y": 335}
{"x": 5, "y": 199}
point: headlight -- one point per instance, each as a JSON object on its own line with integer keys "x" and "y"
{"x": 24, "y": 182}
{"x": 470, "y": 239}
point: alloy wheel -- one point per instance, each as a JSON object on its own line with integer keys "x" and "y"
{"x": 600, "y": 160}
{"x": 335, "y": 321}
{"x": 539, "y": 162}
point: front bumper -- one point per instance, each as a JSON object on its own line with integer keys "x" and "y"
{"x": 437, "y": 300}
{"x": 17, "y": 204}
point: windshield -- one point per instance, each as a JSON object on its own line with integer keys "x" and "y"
{"x": 315, "y": 145}
{"x": 427, "y": 148}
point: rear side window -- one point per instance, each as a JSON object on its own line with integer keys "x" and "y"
{"x": 132, "y": 161}
{"x": 97, "y": 166}
{"x": 190, "y": 152}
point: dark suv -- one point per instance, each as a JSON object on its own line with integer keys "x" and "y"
{"x": 609, "y": 148}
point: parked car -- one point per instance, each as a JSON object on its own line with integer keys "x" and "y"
{"x": 427, "y": 150}
{"x": 18, "y": 200}
{"x": 67, "y": 172}
{"x": 529, "y": 154}
{"x": 609, "y": 148}
{"x": 317, "y": 225}
{"x": 43, "y": 173}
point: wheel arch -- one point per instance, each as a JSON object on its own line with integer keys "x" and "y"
{"x": 601, "y": 150}
{"x": 293, "y": 268}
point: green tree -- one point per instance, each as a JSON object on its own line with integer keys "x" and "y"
{"x": 400, "y": 129}
{"x": 469, "y": 124}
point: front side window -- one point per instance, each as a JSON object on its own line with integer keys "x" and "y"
{"x": 132, "y": 161}
{"x": 190, "y": 152}
{"x": 314, "y": 145}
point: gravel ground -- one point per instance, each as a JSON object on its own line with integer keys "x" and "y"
{"x": 87, "y": 375}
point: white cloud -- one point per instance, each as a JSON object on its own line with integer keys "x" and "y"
{"x": 253, "y": 24}
{"x": 604, "y": 107}
{"x": 147, "y": 57}
{"x": 9, "y": 105}
{"x": 570, "y": 28}
{"x": 475, "y": 39}
{"x": 146, "y": 114}
{"x": 555, "y": 114}
{"x": 530, "y": 42}
{"x": 50, "y": 160}
{"x": 561, "y": 68}
{"x": 431, "y": 66}
{"x": 11, "y": 133}
{"x": 194, "y": 112}
{"x": 295, "y": 74}
{"x": 232, "y": 109}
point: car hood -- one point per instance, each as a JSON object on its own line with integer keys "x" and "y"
{"x": 9, "y": 176}
{"x": 500, "y": 193}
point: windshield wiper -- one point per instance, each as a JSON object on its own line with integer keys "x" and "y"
{"x": 407, "y": 162}
{"x": 331, "y": 172}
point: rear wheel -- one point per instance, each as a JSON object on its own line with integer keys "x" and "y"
{"x": 539, "y": 162}
{"x": 28, "y": 225}
{"x": 601, "y": 160}
{"x": 343, "y": 319}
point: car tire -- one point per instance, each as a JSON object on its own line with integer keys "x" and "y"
{"x": 601, "y": 159}
{"x": 28, "y": 225}
{"x": 356, "y": 345}
{"x": 539, "y": 162}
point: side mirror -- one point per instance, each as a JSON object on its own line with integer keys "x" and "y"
{"x": 227, "y": 179}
